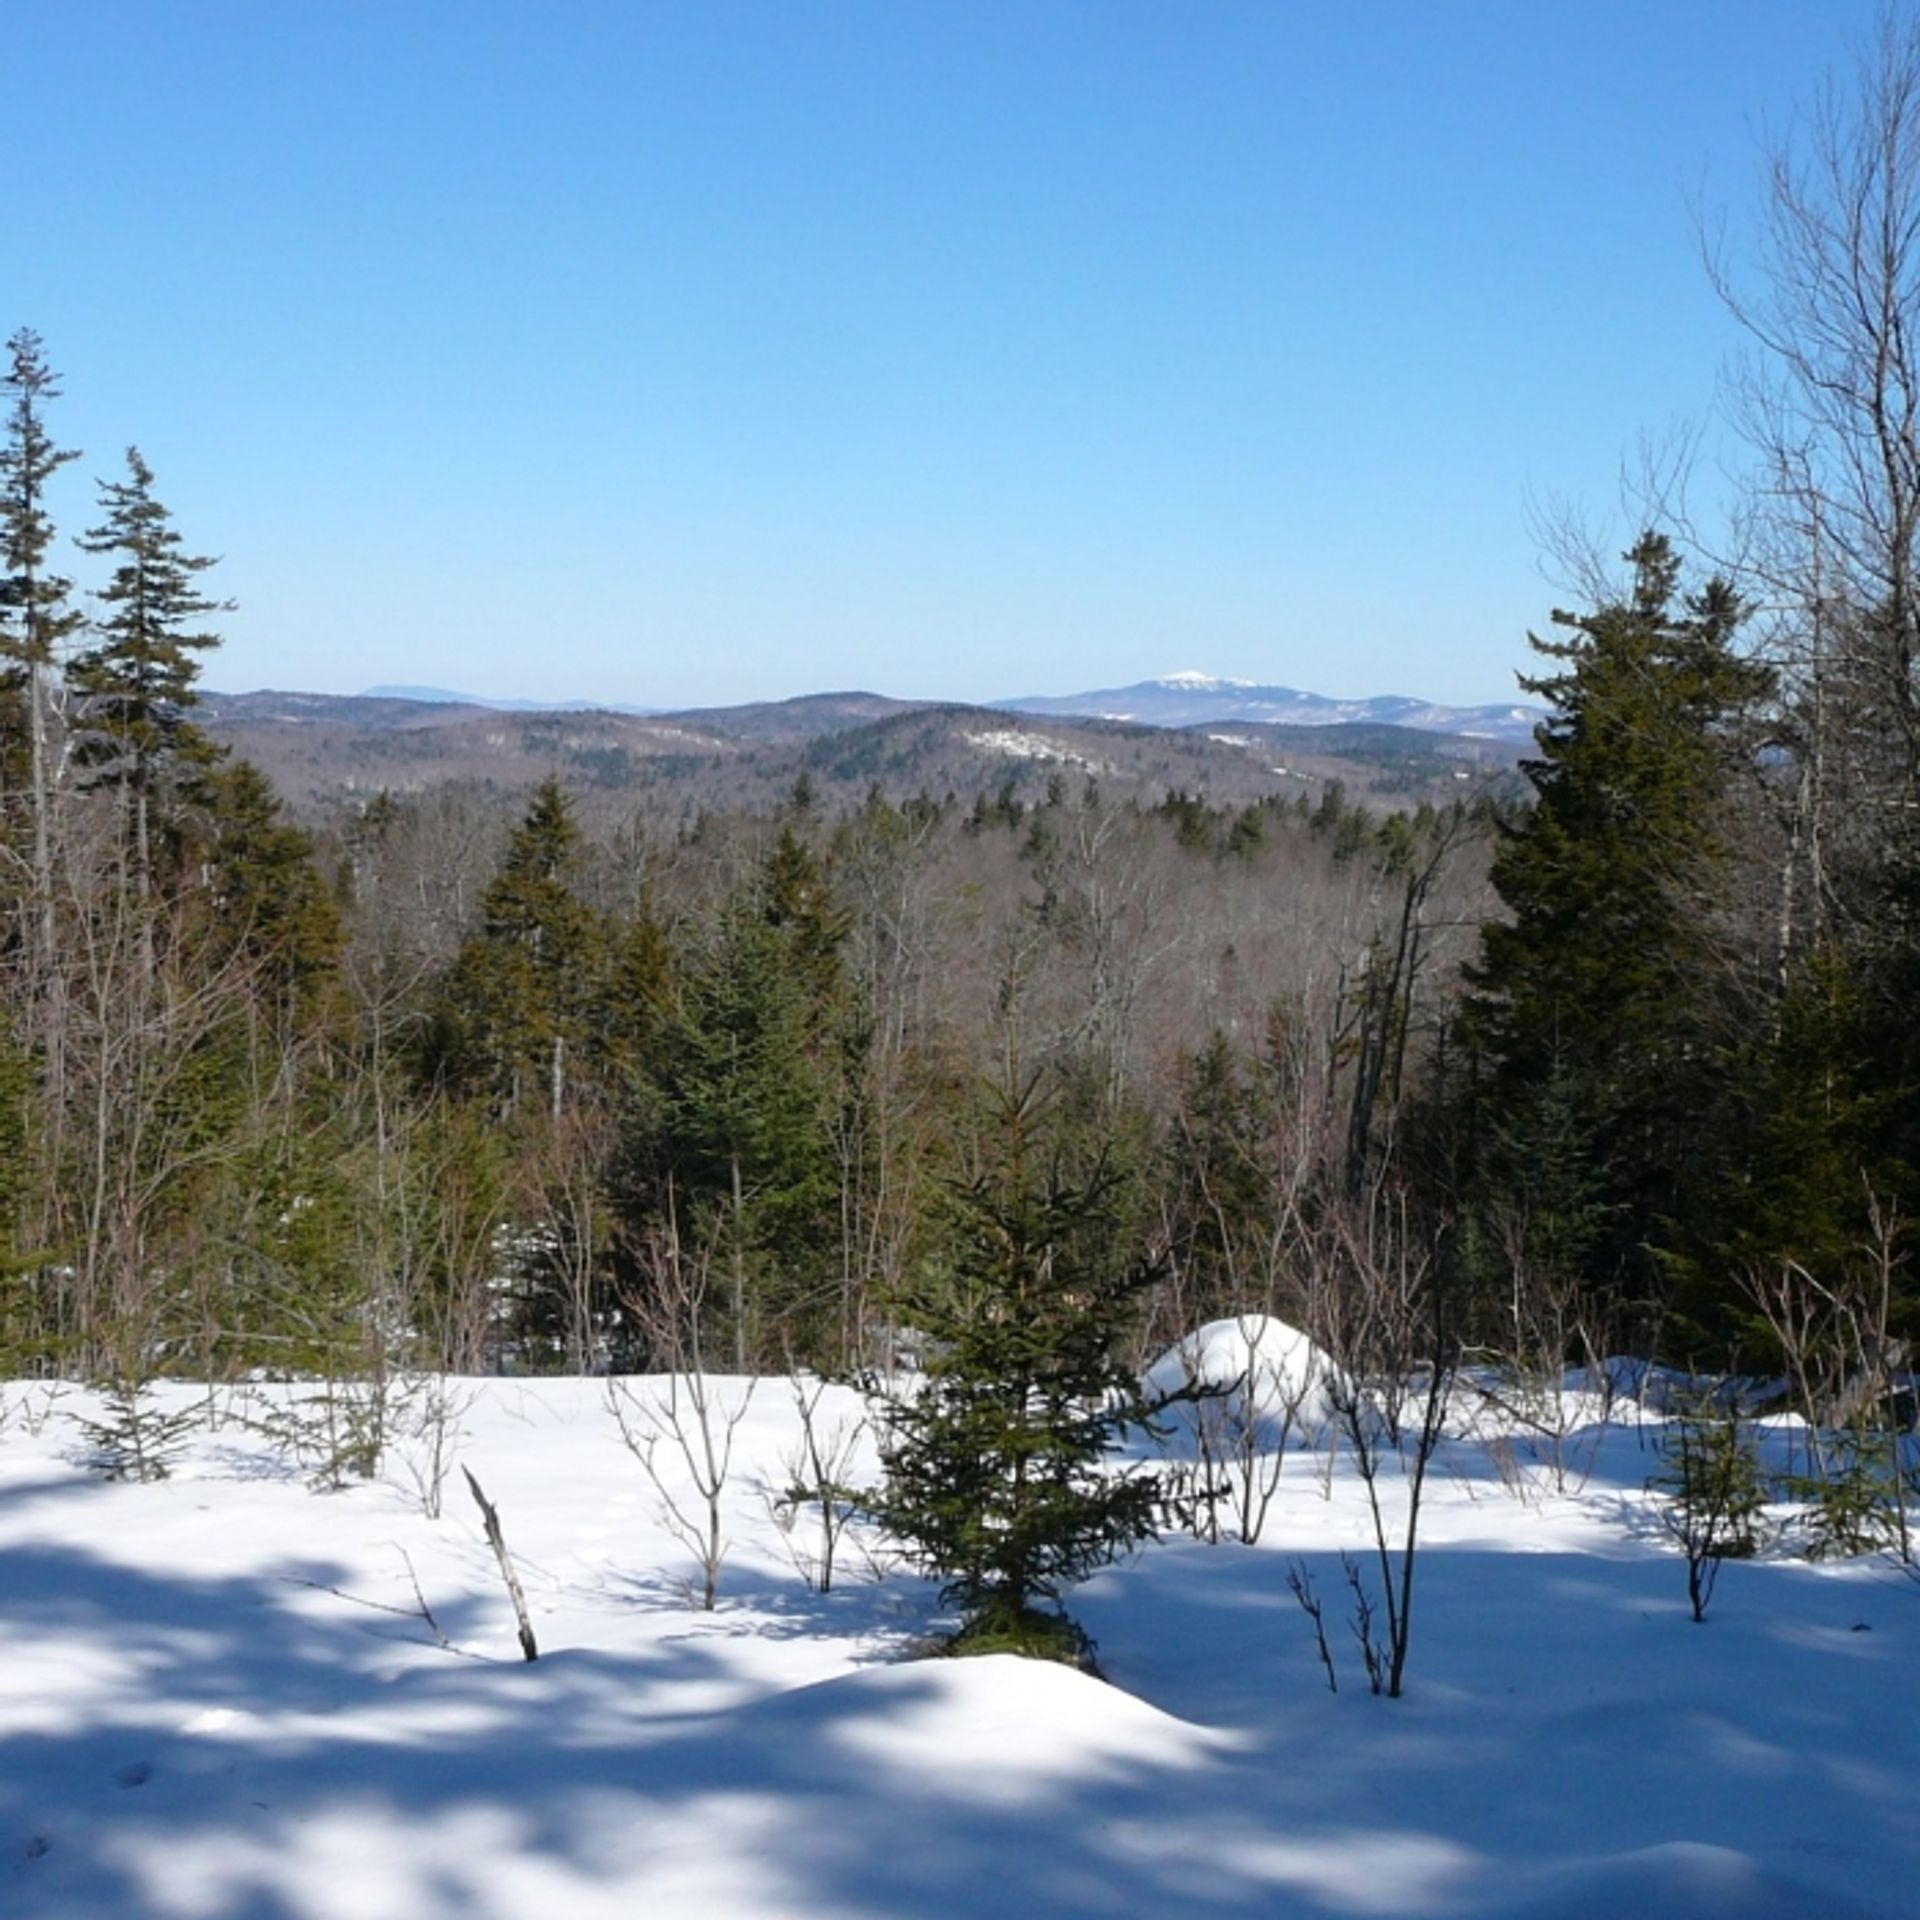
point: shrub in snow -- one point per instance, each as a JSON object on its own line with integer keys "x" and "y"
{"x": 1855, "y": 1505}
{"x": 134, "y": 1438}
{"x": 1716, "y": 1502}
{"x": 997, "y": 1473}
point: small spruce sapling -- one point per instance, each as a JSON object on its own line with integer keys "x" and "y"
{"x": 1716, "y": 1502}
{"x": 998, "y": 1480}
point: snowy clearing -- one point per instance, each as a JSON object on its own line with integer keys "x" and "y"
{"x": 221, "y": 1700}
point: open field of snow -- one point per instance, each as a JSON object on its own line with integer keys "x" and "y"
{"x": 218, "y": 1699}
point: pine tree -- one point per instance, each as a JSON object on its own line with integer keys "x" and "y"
{"x": 525, "y": 989}
{"x": 269, "y": 900}
{"x": 1219, "y": 1185}
{"x": 1598, "y": 980}
{"x": 137, "y": 683}
{"x": 998, "y": 1475}
{"x": 741, "y": 1090}
{"x": 34, "y": 615}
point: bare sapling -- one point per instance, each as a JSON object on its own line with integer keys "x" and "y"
{"x": 1801, "y": 1316}
{"x": 427, "y": 1447}
{"x": 1842, "y": 1360}
{"x": 1266, "y": 1413}
{"x": 1374, "y": 1652}
{"x": 1395, "y": 1355}
{"x": 1550, "y": 1319}
{"x": 420, "y": 1610}
{"x": 1199, "y": 1487}
{"x": 680, "y": 1425}
{"x": 1240, "y": 1426}
{"x": 1300, "y": 1585}
{"x": 819, "y": 1469}
{"x": 30, "y": 1406}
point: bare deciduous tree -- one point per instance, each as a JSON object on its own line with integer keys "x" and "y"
{"x": 680, "y": 1426}
{"x": 1384, "y": 1322}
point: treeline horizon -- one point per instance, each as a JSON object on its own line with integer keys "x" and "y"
{"x": 1630, "y": 1067}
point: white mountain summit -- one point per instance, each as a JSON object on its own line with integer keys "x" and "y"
{"x": 1191, "y": 698}
{"x": 1190, "y": 680}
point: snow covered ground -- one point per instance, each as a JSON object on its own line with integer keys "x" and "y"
{"x": 202, "y": 1715}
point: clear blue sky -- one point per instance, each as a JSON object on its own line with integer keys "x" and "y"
{"x": 711, "y": 351}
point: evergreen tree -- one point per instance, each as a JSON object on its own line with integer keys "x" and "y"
{"x": 269, "y": 900}
{"x": 21, "y": 1324}
{"x": 1219, "y": 1185}
{"x": 998, "y": 1474}
{"x": 34, "y": 615}
{"x": 739, "y": 1099}
{"x": 137, "y": 683}
{"x": 1598, "y": 982}
{"x": 525, "y": 991}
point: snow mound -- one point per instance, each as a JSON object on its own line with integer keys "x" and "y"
{"x": 1251, "y": 1369}
{"x": 1683, "y": 1880}
{"x": 995, "y": 1725}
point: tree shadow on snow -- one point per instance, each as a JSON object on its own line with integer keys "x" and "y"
{"x": 245, "y": 1746}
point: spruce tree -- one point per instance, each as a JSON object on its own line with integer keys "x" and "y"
{"x": 1599, "y": 981}
{"x": 998, "y": 1471}
{"x": 270, "y": 902}
{"x": 35, "y": 617}
{"x": 525, "y": 990}
{"x": 137, "y": 682}
{"x": 1218, "y": 1183}
{"x": 737, "y": 1110}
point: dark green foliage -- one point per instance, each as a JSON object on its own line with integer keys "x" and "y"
{"x": 998, "y": 1475}
{"x": 136, "y": 684}
{"x": 23, "y": 1339}
{"x": 1853, "y": 1506}
{"x": 268, "y": 900}
{"x": 34, "y": 615}
{"x": 1716, "y": 1500}
{"x": 133, "y": 1439}
{"x": 1219, "y": 1185}
{"x": 734, "y": 1127}
{"x": 526, "y": 991}
{"x": 1601, "y": 977}
{"x": 1547, "y": 1209}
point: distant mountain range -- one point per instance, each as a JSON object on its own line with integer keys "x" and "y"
{"x": 445, "y": 697}
{"x": 1189, "y": 699}
{"x": 1198, "y": 699}
{"x": 1192, "y": 733}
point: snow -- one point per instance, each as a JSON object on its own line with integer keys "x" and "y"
{"x": 220, "y": 1703}
{"x": 1257, "y": 1368}
{"x": 1019, "y": 745}
{"x": 1192, "y": 680}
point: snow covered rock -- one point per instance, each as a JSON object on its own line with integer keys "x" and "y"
{"x": 1252, "y": 1368}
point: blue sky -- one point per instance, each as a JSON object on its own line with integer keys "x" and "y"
{"x": 715, "y": 351}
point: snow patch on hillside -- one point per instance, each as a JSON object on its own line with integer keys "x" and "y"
{"x": 1019, "y": 745}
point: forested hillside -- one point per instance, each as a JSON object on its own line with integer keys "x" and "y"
{"x": 453, "y": 1077}
{"x": 328, "y": 755}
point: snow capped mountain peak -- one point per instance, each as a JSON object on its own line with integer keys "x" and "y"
{"x": 1192, "y": 698}
{"x": 1190, "y": 680}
